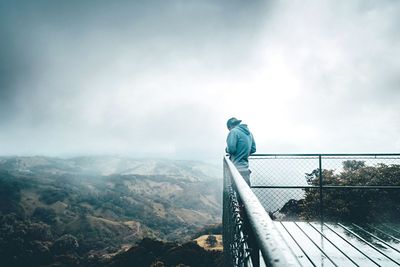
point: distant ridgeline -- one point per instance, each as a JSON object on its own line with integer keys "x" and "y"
{"x": 81, "y": 210}
{"x": 353, "y": 205}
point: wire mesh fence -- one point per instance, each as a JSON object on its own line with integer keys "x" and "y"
{"x": 356, "y": 188}
{"x": 283, "y": 183}
{"x": 235, "y": 236}
{"x": 249, "y": 237}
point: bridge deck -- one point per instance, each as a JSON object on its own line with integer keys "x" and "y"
{"x": 327, "y": 244}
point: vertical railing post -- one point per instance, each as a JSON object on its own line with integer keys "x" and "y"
{"x": 321, "y": 203}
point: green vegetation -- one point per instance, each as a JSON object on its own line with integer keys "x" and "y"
{"x": 212, "y": 229}
{"x": 50, "y": 196}
{"x": 156, "y": 253}
{"x": 211, "y": 241}
{"x": 44, "y": 215}
{"x": 356, "y": 205}
{"x": 55, "y": 214}
{"x": 22, "y": 242}
{"x": 10, "y": 193}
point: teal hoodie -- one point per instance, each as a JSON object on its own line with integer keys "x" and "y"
{"x": 240, "y": 145}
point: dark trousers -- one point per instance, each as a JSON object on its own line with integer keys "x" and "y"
{"x": 246, "y": 176}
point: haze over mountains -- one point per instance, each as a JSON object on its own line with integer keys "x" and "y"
{"x": 106, "y": 165}
{"x": 104, "y": 203}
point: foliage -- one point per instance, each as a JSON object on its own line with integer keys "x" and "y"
{"x": 211, "y": 241}
{"x": 355, "y": 204}
{"x": 65, "y": 244}
{"x": 58, "y": 216}
{"x": 51, "y": 196}
{"x": 157, "y": 253}
{"x": 23, "y": 243}
{"x": 45, "y": 215}
{"x": 212, "y": 229}
{"x": 10, "y": 193}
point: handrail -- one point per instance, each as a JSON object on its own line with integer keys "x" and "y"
{"x": 328, "y": 186}
{"x": 273, "y": 247}
{"x": 251, "y": 234}
{"x": 325, "y": 155}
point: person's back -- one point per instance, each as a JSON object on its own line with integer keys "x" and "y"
{"x": 240, "y": 145}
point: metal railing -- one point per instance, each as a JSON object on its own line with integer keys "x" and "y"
{"x": 248, "y": 231}
{"x": 278, "y": 179}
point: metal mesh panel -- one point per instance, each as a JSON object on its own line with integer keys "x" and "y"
{"x": 274, "y": 199}
{"x": 336, "y": 162}
{"x": 309, "y": 187}
{"x": 283, "y": 171}
{"x": 278, "y": 179}
{"x": 236, "y": 251}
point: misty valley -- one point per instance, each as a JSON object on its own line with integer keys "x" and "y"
{"x": 107, "y": 211}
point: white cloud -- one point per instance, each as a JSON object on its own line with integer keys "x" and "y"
{"x": 306, "y": 77}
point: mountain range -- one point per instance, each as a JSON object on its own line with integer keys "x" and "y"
{"x": 104, "y": 204}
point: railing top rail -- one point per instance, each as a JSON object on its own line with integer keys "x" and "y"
{"x": 326, "y": 155}
{"x": 274, "y": 250}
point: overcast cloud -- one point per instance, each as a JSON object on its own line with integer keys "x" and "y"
{"x": 160, "y": 78}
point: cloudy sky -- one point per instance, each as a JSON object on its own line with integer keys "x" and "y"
{"x": 160, "y": 78}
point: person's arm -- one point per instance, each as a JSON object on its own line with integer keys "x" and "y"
{"x": 253, "y": 145}
{"x": 231, "y": 142}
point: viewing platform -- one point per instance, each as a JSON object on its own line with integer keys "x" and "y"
{"x": 313, "y": 210}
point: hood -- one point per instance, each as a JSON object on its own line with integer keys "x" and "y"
{"x": 243, "y": 128}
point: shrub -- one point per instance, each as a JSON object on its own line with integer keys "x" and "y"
{"x": 355, "y": 204}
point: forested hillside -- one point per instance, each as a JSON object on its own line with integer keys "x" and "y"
{"x": 352, "y": 203}
{"x": 94, "y": 207}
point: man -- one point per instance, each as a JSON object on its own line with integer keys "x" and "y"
{"x": 240, "y": 145}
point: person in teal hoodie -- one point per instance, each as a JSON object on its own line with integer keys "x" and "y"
{"x": 240, "y": 145}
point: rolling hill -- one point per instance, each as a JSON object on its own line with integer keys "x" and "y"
{"x": 104, "y": 203}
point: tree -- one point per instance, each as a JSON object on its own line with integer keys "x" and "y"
{"x": 10, "y": 194}
{"x": 211, "y": 241}
{"x": 50, "y": 196}
{"x": 157, "y": 263}
{"x": 355, "y": 204}
{"x": 45, "y": 215}
{"x": 65, "y": 244}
